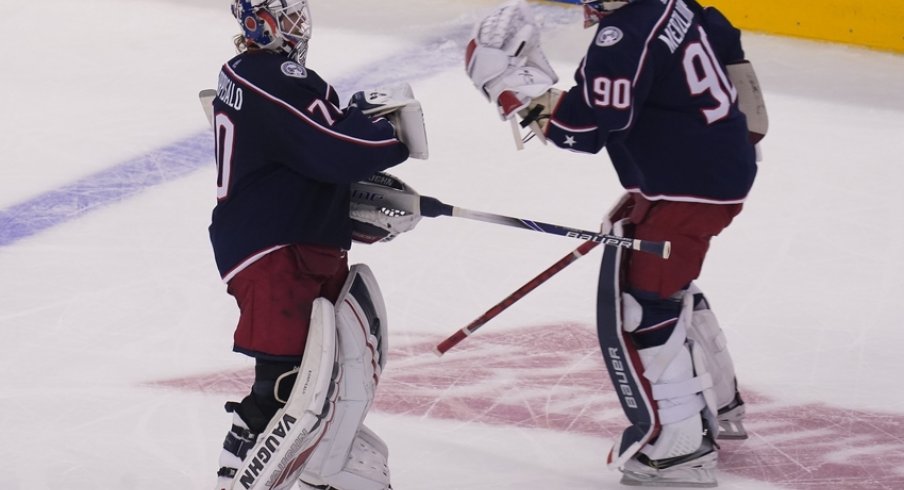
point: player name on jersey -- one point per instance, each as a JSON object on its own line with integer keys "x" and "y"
{"x": 677, "y": 27}
{"x": 229, "y": 92}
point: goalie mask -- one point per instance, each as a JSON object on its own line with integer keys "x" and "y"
{"x": 595, "y": 10}
{"x": 277, "y": 25}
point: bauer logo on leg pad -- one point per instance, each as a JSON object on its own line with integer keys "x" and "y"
{"x": 622, "y": 359}
{"x": 623, "y": 384}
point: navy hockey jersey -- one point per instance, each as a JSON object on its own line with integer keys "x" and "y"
{"x": 286, "y": 156}
{"x": 652, "y": 88}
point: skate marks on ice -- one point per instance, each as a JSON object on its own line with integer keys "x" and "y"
{"x": 551, "y": 377}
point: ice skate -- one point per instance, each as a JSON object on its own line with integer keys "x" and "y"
{"x": 731, "y": 420}
{"x": 694, "y": 470}
{"x": 302, "y": 485}
{"x": 238, "y": 441}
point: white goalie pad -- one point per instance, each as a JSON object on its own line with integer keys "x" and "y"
{"x": 680, "y": 380}
{"x": 283, "y": 448}
{"x": 349, "y": 455}
{"x": 704, "y": 330}
{"x": 363, "y": 338}
{"x": 664, "y": 389}
{"x": 398, "y": 104}
{"x": 750, "y": 99}
{"x": 366, "y": 468}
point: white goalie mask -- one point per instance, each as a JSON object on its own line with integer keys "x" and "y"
{"x": 277, "y": 25}
{"x": 594, "y": 10}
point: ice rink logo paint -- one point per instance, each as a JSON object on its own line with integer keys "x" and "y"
{"x": 557, "y": 371}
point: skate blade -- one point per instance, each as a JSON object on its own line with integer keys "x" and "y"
{"x": 731, "y": 424}
{"x": 630, "y": 482}
{"x": 732, "y": 430}
{"x": 693, "y": 474}
{"x": 683, "y": 479}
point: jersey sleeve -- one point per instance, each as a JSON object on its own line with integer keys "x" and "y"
{"x": 297, "y": 113}
{"x": 331, "y": 144}
{"x": 604, "y": 97}
{"x": 573, "y": 124}
{"x": 724, "y": 37}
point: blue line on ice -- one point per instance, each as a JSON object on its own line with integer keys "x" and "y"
{"x": 178, "y": 159}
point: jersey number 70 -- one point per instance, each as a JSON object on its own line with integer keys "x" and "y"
{"x": 224, "y": 139}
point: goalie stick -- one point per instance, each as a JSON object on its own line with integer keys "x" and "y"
{"x": 432, "y": 207}
{"x": 511, "y": 299}
{"x": 383, "y": 191}
{"x": 206, "y": 97}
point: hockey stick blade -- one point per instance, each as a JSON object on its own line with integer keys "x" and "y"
{"x": 432, "y": 208}
{"x": 511, "y": 299}
{"x": 206, "y": 97}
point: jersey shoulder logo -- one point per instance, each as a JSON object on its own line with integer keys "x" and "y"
{"x": 609, "y": 36}
{"x": 294, "y": 70}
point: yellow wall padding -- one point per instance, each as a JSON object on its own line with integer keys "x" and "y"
{"x": 873, "y": 23}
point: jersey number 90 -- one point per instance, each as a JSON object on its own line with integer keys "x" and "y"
{"x": 702, "y": 71}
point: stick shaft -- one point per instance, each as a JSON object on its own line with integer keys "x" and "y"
{"x": 432, "y": 207}
{"x": 511, "y": 299}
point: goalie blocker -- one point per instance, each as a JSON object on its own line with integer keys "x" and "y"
{"x": 750, "y": 98}
{"x": 318, "y": 439}
{"x": 397, "y": 103}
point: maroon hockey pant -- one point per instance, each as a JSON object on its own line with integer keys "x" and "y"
{"x": 689, "y": 226}
{"x": 275, "y": 295}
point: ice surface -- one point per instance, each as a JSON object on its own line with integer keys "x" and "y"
{"x": 118, "y": 331}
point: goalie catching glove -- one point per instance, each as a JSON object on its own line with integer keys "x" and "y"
{"x": 506, "y": 63}
{"x": 396, "y": 103}
{"x": 381, "y": 208}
